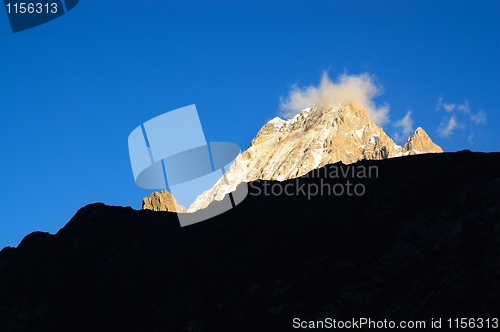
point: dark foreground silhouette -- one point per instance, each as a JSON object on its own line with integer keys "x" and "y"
{"x": 422, "y": 243}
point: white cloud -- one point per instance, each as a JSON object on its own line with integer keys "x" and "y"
{"x": 460, "y": 118}
{"x": 464, "y": 107}
{"x": 446, "y": 128}
{"x": 470, "y": 138}
{"x": 406, "y": 125}
{"x": 452, "y": 107}
{"x": 360, "y": 89}
{"x": 479, "y": 118}
{"x": 439, "y": 103}
{"x": 449, "y": 107}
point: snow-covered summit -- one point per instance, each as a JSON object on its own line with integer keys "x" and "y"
{"x": 311, "y": 139}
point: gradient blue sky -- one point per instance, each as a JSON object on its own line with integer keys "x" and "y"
{"x": 73, "y": 89}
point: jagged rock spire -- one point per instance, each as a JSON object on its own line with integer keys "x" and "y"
{"x": 420, "y": 142}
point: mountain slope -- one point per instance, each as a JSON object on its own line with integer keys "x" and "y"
{"x": 423, "y": 242}
{"x": 419, "y": 143}
{"x": 316, "y": 137}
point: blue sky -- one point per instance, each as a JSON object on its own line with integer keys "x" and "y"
{"x": 73, "y": 89}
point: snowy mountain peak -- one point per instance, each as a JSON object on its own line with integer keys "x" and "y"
{"x": 277, "y": 122}
{"x": 315, "y": 137}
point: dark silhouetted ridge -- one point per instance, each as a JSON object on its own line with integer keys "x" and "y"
{"x": 423, "y": 242}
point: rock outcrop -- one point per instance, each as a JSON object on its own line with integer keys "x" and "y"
{"x": 162, "y": 201}
{"x": 419, "y": 143}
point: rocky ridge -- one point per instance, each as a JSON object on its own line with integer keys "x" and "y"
{"x": 162, "y": 201}
{"x": 422, "y": 243}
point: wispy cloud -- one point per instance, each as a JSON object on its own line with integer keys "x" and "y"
{"x": 406, "y": 127}
{"x": 439, "y": 103}
{"x": 449, "y": 107}
{"x": 464, "y": 107}
{"x": 360, "y": 89}
{"x": 471, "y": 136}
{"x": 447, "y": 127}
{"x": 479, "y": 118}
{"x": 460, "y": 118}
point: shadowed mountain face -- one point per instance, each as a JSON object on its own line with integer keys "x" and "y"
{"x": 422, "y": 242}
